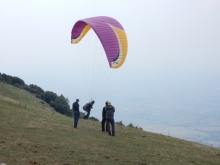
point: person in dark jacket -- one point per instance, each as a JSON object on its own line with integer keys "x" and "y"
{"x": 88, "y": 109}
{"x": 76, "y": 113}
{"x": 104, "y": 118}
{"x": 110, "y": 110}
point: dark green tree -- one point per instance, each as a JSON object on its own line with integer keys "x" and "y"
{"x": 38, "y": 91}
{"x": 119, "y": 123}
{"x": 37, "y": 88}
{"x": 17, "y": 81}
{"x": 131, "y": 125}
{"x": 49, "y": 97}
{"x": 61, "y": 105}
{"x": 1, "y": 78}
{"x": 6, "y": 78}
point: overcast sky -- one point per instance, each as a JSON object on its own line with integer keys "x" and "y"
{"x": 173, "y": 53}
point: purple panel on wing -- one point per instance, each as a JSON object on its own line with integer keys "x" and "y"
{"x": 77, "y": 29}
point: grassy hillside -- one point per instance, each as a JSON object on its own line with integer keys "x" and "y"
{"x": 32, "y": 133}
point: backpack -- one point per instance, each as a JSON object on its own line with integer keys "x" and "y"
{"x": 85, "y": 107}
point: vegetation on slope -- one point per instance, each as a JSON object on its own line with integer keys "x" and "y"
{"x": 59, "y": 103}
{"x": 36, "y": 134}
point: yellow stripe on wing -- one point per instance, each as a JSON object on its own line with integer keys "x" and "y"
{"x": 123, "y": 47}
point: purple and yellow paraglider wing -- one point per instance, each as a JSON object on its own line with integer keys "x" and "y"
{"x": 111, "y": 34}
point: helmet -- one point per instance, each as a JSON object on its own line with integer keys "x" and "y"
{"x": 108, "y": 102}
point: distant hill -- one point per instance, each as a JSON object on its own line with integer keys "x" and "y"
{"x": 33, "y": 133}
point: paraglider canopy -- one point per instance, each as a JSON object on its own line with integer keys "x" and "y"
{"x": 111, "y": 34}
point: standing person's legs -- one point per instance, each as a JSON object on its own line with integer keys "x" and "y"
{"x": 103, "y": 125}
{"x": 108, "y": 127}
{"x": 76, "y": 118}
{"x": 113, "y": 127}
